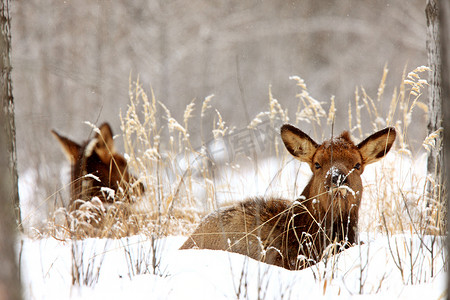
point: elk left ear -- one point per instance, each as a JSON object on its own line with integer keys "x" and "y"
{"x": 375, "y": 147}
{"x": 70, "y": 148}
{"x": 105, "y": 143}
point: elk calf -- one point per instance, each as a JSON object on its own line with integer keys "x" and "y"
{"x": 295, "y": 234}
{"x": 95, "y": 165}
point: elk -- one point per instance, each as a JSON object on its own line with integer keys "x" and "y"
{"x": 95, "y": 166}
{"x": 294, "y": 234}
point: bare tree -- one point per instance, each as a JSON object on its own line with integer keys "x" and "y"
{"x": 9, "y": 274}
{"x": 7, "y": 102}
{"x": 435, "y": 161}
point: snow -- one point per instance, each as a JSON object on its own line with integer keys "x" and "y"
{"x": 361, "y": 272}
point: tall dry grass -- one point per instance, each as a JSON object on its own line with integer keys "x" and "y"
{"x": 184, "y": 181}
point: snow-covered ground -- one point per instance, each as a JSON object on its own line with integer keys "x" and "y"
{"x": 378, "y": 268}
{"x": 394, "y": 266}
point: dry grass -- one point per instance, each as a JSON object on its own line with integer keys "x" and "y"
{"x": 184, "y": 182}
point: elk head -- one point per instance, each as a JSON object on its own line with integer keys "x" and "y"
{"x": 96, "y": 165}
{"x": 337, "y": 164}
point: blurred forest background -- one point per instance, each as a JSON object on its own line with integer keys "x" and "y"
{"x": 72, "y": 61}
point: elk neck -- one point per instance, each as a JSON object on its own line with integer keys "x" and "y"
{"x": 340, "y": 224}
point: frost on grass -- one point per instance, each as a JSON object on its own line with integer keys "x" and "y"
{"x": 92, "y": 177}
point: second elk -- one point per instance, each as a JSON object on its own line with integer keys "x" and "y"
{"x": 101, "y": 187}
{"x": 294, "y": 234}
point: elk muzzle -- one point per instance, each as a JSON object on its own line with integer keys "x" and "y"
{"x": 337, "y": 182}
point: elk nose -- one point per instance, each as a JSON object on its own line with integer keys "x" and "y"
{"x": 338, "y": 178}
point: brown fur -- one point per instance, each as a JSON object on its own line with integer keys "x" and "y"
{"x": 295, "y": 234}
{"x": 96, "y": 157}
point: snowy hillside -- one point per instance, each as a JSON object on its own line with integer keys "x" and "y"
{"x": 380, "y": 267}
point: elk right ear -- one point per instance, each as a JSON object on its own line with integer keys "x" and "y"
{"x": 70, "y": 148}
{"x": 298, "y": 143}
{"x": 105, "y": 143}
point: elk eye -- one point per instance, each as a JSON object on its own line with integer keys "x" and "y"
{"x": 357, "y": 166}
{"x": 317, "y": 166}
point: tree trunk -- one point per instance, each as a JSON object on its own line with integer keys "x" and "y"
{"x": 435, "y": 161}
{"x": 444, "y": 22}
{"x": 9, "y": 273}
{"x": 8, "y": 104}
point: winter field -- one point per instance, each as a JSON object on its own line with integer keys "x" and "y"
{"x": 124, "y": 270}
{"x": 401, "y": 254}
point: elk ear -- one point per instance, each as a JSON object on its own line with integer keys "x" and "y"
{"x": 70, "y": 148}
{"x": 298, "y": 143}
{"x": 105, "y": 143}
{"x": 377, "y": 145}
